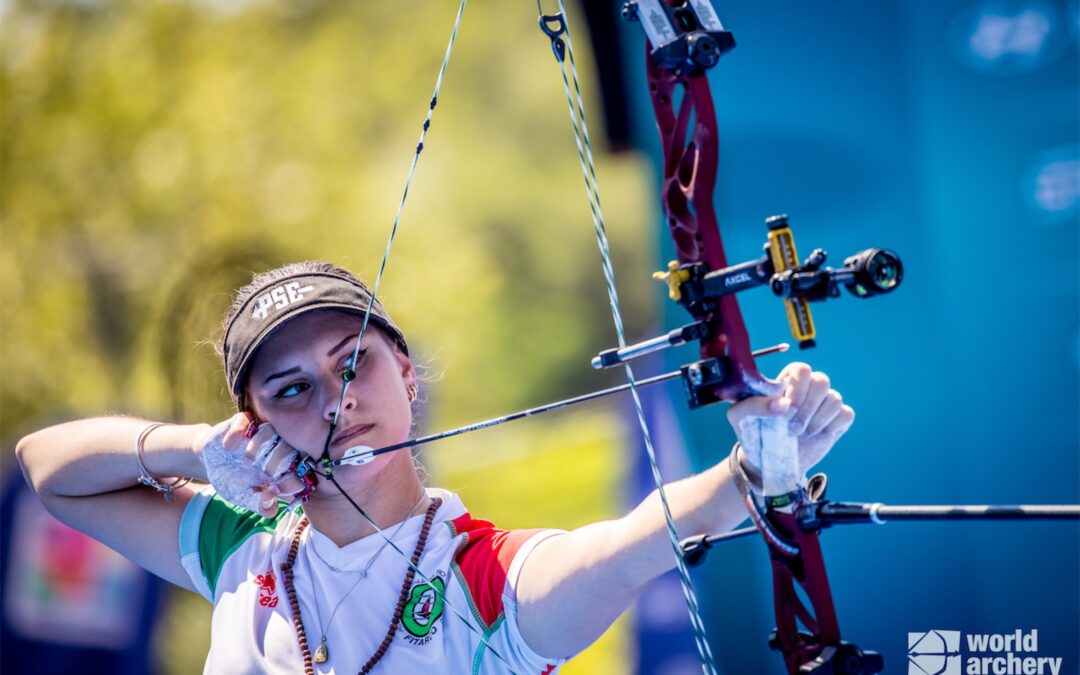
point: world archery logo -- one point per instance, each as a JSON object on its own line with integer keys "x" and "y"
{"x": 950, "y": 652}
{"x": 423, "y": 609}
{"x": 935, "y": 652}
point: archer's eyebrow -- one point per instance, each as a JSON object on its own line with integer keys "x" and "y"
{"x": 333, "y": 350}
{"x": 284, "y": 373}
{"x": 338, "y": 346}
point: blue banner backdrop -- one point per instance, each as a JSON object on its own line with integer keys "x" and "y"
{"x": 947, "y": 131}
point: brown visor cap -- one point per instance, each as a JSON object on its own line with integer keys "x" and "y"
{"x": 284, "y": 299}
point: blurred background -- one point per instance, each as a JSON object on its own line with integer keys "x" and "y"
{"x": 154, "y": 154}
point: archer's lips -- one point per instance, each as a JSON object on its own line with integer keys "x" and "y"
{"x": 352, "y": 433}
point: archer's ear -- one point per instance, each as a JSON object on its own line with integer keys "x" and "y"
{"x": 408, "y": 369}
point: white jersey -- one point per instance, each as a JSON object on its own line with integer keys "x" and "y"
{"x": 234, "y": 558}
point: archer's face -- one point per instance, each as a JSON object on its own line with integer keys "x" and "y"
{"x": 296, "y": 380}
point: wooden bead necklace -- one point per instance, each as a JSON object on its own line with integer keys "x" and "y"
{"x": 322, "y": 652}
{"x": 294, "y": 602}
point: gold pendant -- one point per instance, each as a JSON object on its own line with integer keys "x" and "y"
{"x": 322, "y": 653}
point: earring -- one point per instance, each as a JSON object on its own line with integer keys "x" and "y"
{"x": 410, "y": 391}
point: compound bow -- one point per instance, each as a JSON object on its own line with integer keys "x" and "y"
{"x": 685, "y": 39}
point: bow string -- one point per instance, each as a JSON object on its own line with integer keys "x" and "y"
{"x": 556, "y": 27}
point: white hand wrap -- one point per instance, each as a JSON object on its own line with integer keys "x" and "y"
{"x": 240, "y": 481}
{"x": 773, "y": 450}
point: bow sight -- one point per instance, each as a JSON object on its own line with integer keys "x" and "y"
{"x": 865, "y": 274}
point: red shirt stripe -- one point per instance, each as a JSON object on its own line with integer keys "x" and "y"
{"x": 484, "y": 559}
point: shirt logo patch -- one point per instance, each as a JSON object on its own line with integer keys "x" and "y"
{"x": 267, "y": 589}
{"x": 423, "y": 609}
{"x": 279, "y": 297}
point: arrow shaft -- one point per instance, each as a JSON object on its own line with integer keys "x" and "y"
{"x": 502, "y": 419}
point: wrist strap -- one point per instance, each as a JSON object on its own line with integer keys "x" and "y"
{"x": 144, "y": 476}
{"x": 751, "y": 489}
{"x": 747, "y": 480}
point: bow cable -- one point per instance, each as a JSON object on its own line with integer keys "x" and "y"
{"x": 555, "y": 27}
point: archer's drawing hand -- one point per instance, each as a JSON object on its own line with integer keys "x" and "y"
{"x": 814, "y": 413}
{"x": 251, "y": 472}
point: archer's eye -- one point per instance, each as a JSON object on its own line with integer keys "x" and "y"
{"x": 348, "y": 370}
{"x": 292, "y": 390}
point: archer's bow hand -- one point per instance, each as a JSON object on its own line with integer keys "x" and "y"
{"x": 250, "y": 466}
{"x": 814, "y": 413}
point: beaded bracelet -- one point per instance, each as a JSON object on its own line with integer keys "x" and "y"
{"x": 144, "y": 476}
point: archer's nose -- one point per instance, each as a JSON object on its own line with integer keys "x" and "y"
{"x": 345, "y": 400}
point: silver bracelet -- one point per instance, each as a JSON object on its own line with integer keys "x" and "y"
{"x": 144, "y": 476}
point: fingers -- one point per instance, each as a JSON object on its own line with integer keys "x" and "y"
{"x": 817, "y": 408}
{"x": 268, "y": 503}
{"x": 235, "y": 438}
{"x": 757, "y": 406}
{"x": 260, "y": 445}
{"x": 275, "y": 459}
{"x": 281, "y": 459}
{"x": 269, "y": 493}
{"x": 827, "y": 411}
{"x": 285, "y": 480}
{"x": 289, "y": 486}
{"x": 796, "y": 378}
{"x": 268, "y": 452}
{"x": 839, "y": 425}
{"x": 800, "y": 391}
{"x": 261, "y": 448}
{"x": 285, "y": 486}
{"x": 809, "y": 391}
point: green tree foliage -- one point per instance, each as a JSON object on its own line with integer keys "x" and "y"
{"x": 155, "y": 153}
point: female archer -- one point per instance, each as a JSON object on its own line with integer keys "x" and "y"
{"x": 373, "y": 571}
